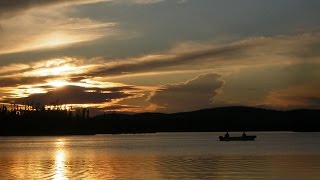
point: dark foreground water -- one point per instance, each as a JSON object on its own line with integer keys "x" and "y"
{"x": 276, "y": 155}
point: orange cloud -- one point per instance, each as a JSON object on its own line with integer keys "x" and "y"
{"x": 49, "y": 28}
{"x": 25, "y": 80}
{"x": 294, "y": 98}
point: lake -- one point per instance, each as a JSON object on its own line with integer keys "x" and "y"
{"x": 274, "y": 155}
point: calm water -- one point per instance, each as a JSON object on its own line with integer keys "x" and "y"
{"x": 280, "y": 155}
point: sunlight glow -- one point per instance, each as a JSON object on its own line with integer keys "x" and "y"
{"x": 58, "y": 39}
{"x": 60, "y": 143}
{"x": 54, "y": 71}
{"x": 58, "y": 67}
{"x": 58, "y": 83}
{"x": 25, "y": 91}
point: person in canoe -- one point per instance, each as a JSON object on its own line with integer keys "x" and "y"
{"x": 227, "y": 135}
{"x": 244, "y": 134}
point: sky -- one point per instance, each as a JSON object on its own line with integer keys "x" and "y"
{"x": 160, "y": 55}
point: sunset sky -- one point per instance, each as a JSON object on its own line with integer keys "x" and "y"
{"x": 160, "y": 55}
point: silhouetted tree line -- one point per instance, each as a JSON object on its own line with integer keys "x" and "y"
{"x": 33, "y": 119}
{"x": 62, "y": 122}
{"x": 21, "y": 112}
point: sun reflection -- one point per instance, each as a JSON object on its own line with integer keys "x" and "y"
{"x": 60, "y": 143}
{"x": 60, "y": 160}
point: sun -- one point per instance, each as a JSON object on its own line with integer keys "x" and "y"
{"x": 58, "y": 83}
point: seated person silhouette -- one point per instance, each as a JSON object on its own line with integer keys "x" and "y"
{"x": 227, "y": 135}
{"x": 244, "y": 134}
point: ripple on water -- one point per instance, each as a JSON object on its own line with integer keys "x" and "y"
{"x": 184, "y": 156}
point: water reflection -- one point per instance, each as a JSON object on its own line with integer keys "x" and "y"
{"x": 60, "y": 143}
{"x": 123, "y": 157}
{"x": 60, "y": 165}
{"x": 60, "y": 161}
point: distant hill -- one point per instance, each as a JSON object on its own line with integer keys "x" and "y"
{"x": 216, "y": 119}
{"x": 205, "y": 120}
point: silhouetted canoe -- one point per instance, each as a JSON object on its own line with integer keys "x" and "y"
{"x": 237, "y": 138}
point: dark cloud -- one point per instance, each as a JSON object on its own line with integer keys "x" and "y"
{"x": 128, "y": 87}
{"x": 14, "y": 6}
{"x": 119, "y": 107}
{"x": 11, "y": 7}
{"x": 16, "y": 81}
{"x": 253, "y": 51}
{"x": 178, "y": 60}
{"x": 115, "y": 108}
{"x": 12, "y": 81}
{"x": 77, "y": 95}
{"x": 195, "y": 94}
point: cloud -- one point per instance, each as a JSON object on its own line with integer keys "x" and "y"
{"x": 233, "y": 55}
{"x": 122, "y": 108}
{"x": 43, "y": 71}
{"x": 294, "y": 97}
{"x": 284, "y": 86}
{"x": 16, "y": 81}
{"x": 185, "y": 58}
{"x": 48, "y": 30}
{"x": 142, "y": 1}
{"x": 182, "y": 1}
{"x": 194, "y": 94}
{"x": 11, "y": 7}
{"x": 166, "y": 62}
{"x": 230, "y": 56}
{"x": 13, "y": 68}
{"x": 77, "y": 95}
{"x": 23, "y": 80}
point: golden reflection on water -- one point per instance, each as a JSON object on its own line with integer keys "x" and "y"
{"x": 60, "y": 143}
{"x": 61, "y": 158}
{"x": 60, "y": 161}
{"x": 60, "y": 165}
